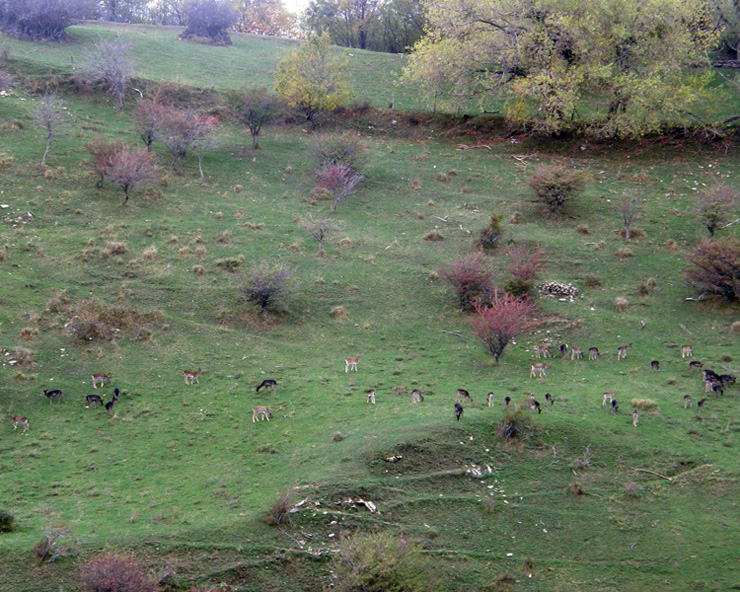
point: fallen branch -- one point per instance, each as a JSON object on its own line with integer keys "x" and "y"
{"x": 685, "y": 329}
{"x": 455, "y": 333}
{"x": 654, "y": 473}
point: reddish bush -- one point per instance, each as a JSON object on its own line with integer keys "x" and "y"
{"x": 114, "y": 572}
{"x": 499, "y": 320}
{"x": 102, "y": 154}
{"x": 524, "y": 266}
{"x": 472, "y": 277}
{"x": 131, "y": 169}
{"x": 339, "y": 178}
{"x": 717, "y": 268}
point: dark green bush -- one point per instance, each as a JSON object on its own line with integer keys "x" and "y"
{"x": 7, "y": 521}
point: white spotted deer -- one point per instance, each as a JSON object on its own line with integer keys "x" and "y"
{"x": 191, "y": 376}
{"x": 542, "y": 351}
{"x": 576, "y": 353}
{"x": 259, "y": 413}
{"x": 593, "y": 354}
{"x": 687, "y": 351}
{"x": 16, "y": 420}
{"x": 462, "y": 395}
{"x": 608, "y": 396}
{"x": 351, "y": 363}
{"x": 489, "y": 399}
{"x": 622, "y": 351}
{"x": 416, "y": 396}
{"x": 538, "y": 370}
{"x": 371, "y": 396}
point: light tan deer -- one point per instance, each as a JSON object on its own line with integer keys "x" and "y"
{"x": 576, "y": 353}
{"x": 416, "y": 396}
{"x": 259, "y": 413}
{"x": 18, "y": 421}
{"x": 593, "y": 354}
{"x": 635, "y": 418}
{"x": 687, "y": 351}
{"x": 538, "y": 370}
{"x": 371, "y": 396}
{"x": 686, "y": 402}
{"x": 542, "y": 351}
{"x": 191, "y": 376}
{"x": 351, "y": 364}
{"x": 463, "y": 395}
{"x": 99, "y": 378}
{"x": 608, "y": 396}
{"x": 489, "y": 399}
{"x": 622, "y": 351}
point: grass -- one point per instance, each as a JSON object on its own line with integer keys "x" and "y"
{"x": 181, "y": 474}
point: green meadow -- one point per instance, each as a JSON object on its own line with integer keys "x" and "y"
{"x": 181, "y": 476}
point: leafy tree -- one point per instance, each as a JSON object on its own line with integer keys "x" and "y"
{"x": 313, "y": 79}
{"x": 340, "y": 179}
{"x": 499, "y": 320}
{"x": 181, "y": 130}
{"x": 549, "y": 58}
{"x": 42, "y": 19}
{"x": 255, "y": 107}
{"x": 167, "y": 12}
{"x": 716, "y": 268}
{"x": 727, "y": 14}
{"x": 210, "y": 19}
{"x": 473, "y": 278}
{"x": 555, "y": 185}
{"x": 102, "y": 153}
{"x": 266, "y": 17}
{"x": 50, "y": 114}
{"x": 123, "y": 11}
{"x": 131, "y": 169}
{"x": 110, "y": 64}
{"x": 148, "y": 118}
{"x": 206, "y": 142}
{"x": 715, "y": 205}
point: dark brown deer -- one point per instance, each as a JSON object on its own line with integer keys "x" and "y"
{"x": 458, "y": 411}
{"x": 615, "y": 407}
{"x": 655, "y": 365}
{"x": 694, "y": 366}
{"x": 548, "y": 398}
{"x": 55, "y": 394}
{"x": 268, "y": 383}
{"x": 90, "y": 399}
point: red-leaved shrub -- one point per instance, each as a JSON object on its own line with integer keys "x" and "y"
{"x": 116, "y": 572}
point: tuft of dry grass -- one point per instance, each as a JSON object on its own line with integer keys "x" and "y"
{"x": 116, "y": 248}
{"x": 150, "y": 254}
{"x": 339, "y": 313}
{"x": 624, "y": 253}
{"x": 646, "y": 287}
{"x": 433, "y": 236}
{"x": 582, "y": 229}
{"x": 29, "y": 333}
{"x": 201, "y": 251}
{"x": 224, "y": 237}
{"x": 620, "y": 304}
{"x": 645, "y": 404}
{"x": 442, "y": 178}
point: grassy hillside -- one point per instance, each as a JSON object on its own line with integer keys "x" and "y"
{"x": 182, "y": 476}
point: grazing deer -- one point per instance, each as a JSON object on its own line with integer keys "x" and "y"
{"x": 686, "y": 402}
{"x": 609, "y": 396}
{"x": 260, "y": 413}
{"x": 462, "y": 394}
{"x": 538, "y": 369}
{"x": 548, "y": 398}
{"x": 18, "y": 421}
{"x": 700, "y": 404}
{"x": 90, "y": 399}
{"x": 694, "y": 366}
{"x": 622, "y": 351}
{"x": 687, "y": 351}
{"x": 55, "y": 394}
{"x": 717, "y": 387}
{"x": 416, "y": 396}
{"x": 576, "y": 353}
{"x": 351, "y": 363}
{"x": 507, "y": 400}
{"x": 593, "y": 353}
{"x": 655, "y": 365}
{"x": 99, "y": 378}
{"x": 726, "y": 379}
{"x": 534, "y": 404}
{"x": 458, "y": 411}
{"x": 371, "y": 396}
{"x": 191, "y": 377}
{"x": 709, "y": 385}
{"x": 268, "y": 383}
{"x": 563, "y": 350}
{"x": 542, "y": 351}
{"x": 489, "y": 399}
{"x": 615, "y": 407}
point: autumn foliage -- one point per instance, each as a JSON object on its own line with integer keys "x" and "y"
{"x": 524, "y": 266}
{"x": 716, "y": 268}
{"x": 497, "y": 321}
{"x": 112, "y": 572}
{"x": 339, "y": 179}
{"x": 473, "y": 279}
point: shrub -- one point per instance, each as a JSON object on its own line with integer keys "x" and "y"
{"x": 491, "y": 236}
{"x": 54, "y": 545}
{"x": 7, "y": 521}
{"x": 269, "y": 287}
{"x": 34, "y": 19}
{"x": 645, "y": 288}
{"x": 348, "y": 147}
{"x": 433, "y": 236}
{"x": 624, "y": 253}
{"x": 340, "y": 179}
{"x": 381, "y": 562}
{"x": 500, "y": 319}
{"x": 716, "y": 268}
{"x": 116, "y": 572}
{"x": 524, "y": 265}
{"x": 23, "y": 356}
{"x": 29, "y": 333}
{"x": 279, "y": 512}
{"x": 230, "y": 264}
{"x": 646, "y": 404}
{"x": 210, "y": 19}
{"x": 714, "y": 206}
{"x": 472, "y": 277}
{"x": 514, "y": 425}
{"x": 555, "y": 185}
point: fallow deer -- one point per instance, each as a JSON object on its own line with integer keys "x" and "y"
{"x": 542, "y": 351}
{"x": 99, "y": 378}
{"x": 268, "y": 383}
{"x": 694, "y": 366}
{"x": 609, "y": 396}
{"x": 462, "y": 395}
{"x": 655, "y": 365}
{"x": 622, "y": 351}
{"x": 113, "y": 401}
{"x": 686, "y": 402}
{"x": 548, "y": 398}
{"x": 458, "y": 411}
{"x": 18, "y": 421}
{"x": 563, "y": 350}
{"x": 191, "y": 376}
{"x": 615, "y": 407}
{"x": 534, "y": 405}
{"x": 726, "y": 379}
{"x": 507, "y": 400}
{"x": 55, "y": 394}
{"x": 576, "y": 353}
{"x": 687, "y": 351}
{"x": 260, "y": 413}
{"x": 351, "y": 364}
{"x": 416, "y": 396}
{"x": 700, "y": 404}
{"x": 593, "y": 353}
{"x": 538, "y": 370}
{"x": 90, "y": 399}
{"x": 489, "y": 399}
{"x": 371, "y": 396}
{"x": 635, "y": 417}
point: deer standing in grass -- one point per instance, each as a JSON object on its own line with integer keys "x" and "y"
{"x": 259, "y": 413}
{"x": 686, "y": 402}
{"x": 593, "y": 354}
{"x": 615, "y": 407}
{"x": 635, "y": 418}
{"x": 351, "y": 364}
{"x": 268, "y": 383}
{"x": 687, "y": 351}
{"x": 99, "y": 378}
{"x": 576, "y": 353}
{"x": 463, "y": 395}
{"x": 191, "y": 376}
{"x": 542, "y": 351}
{"x": 548, "y": 398}
{"x": 416, "y": 396}
{"x": 538, "y": 370}
{"x": 655, "y": 365}
{"x": 694, "y": 366}
{"x": 489, "y": 399}
{"x": 371, "y": 396}
{"x": 90, "y": 399}
{"x": 622, "y": 351}
{"x": 18, "y": 421}
{"x": 609, "y": 396}
{"x": 55, "y": 394}
{"x": 458, "y": 411}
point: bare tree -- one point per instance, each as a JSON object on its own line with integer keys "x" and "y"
{"x": 102, "y": 154}
{"x": 50, "y": 114}
{"x": 109, "y": 64}
{"x": 181, "y": 130}
{"x": 340, "y": 179}
{"x": 255, "y": 107}
{"x": 131, "y": 169}
{"x": 148, "y": 118}
{"x": 629, "y": 210}
{"x": 319, "y": 229}
{"x": 207, "y": 141}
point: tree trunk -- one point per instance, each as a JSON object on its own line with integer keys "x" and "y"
{"x": 48, "y": 145}
{"x": 255, "y": 140}
{"x": 200, "y": 168}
